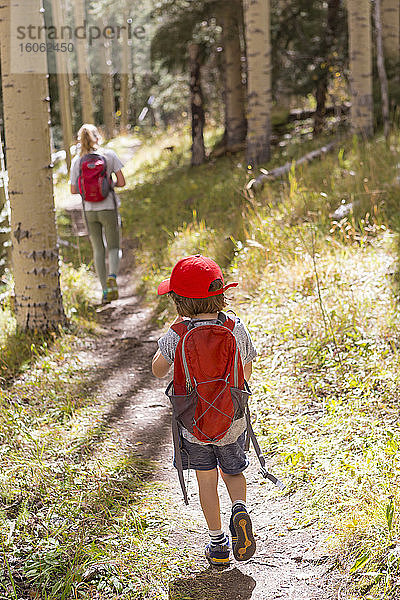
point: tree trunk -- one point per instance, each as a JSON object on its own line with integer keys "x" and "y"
{"x": 197, "y": 109}
{"x": 381, "y": 69}
{"x": 360, "y": 52}
{"x": 323, "y": 81}
{"x": 108, "y": 90}
{"x": 38, "y": 303}
{"x": 390, "y": 14}
{"x": 124, "y": 92}
{"x": 257, "y": 22}
{"x": 235, "y": 114}
{"x": 83, "y": 64}
{"x": 63, "y": 79}
{"x": 4, "y": 213}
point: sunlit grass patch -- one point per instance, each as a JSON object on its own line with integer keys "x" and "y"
{"x": 326, "y": 390}
{"x": 19, "y": 349}
{"x": 77, "y": 290}
{"x": 79, "y": 515}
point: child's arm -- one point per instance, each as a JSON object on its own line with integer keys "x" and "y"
{"x": 247, "y": 370}
{"x": 159, "y": 365}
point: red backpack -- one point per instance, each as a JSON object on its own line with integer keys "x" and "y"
{"x": 208, "y": 386}
{"x": 93, "y": 182}
{"x": 208, "y": 391}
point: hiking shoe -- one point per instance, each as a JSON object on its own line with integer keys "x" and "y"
{"x": 243, "y": 542}
{"x": 105, "y": 298}
{"x": 218, "y": 554}
{"x": 112, "y": 288}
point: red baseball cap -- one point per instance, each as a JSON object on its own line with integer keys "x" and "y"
{"x": 191, "y": 277}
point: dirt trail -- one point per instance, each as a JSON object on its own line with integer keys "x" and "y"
{"x": 288, "y": 563}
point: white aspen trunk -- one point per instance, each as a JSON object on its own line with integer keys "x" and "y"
{"x": 63, "y": 86}
{"x": 124, "y": 92}
{"x": 108, "y": 90}
{"x": 35, "y": 259}
{"x": 390, "y": 15}
{"x": 258, "y": 42}
{"x": 235, "y": 115}
{"x": 360, "y": 53}
{"x": 381, "y": 69}
{"x": 4, "y": 217}
{"x": 85, "y": 88}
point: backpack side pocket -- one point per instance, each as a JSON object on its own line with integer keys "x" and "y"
{"x": 240, "y": 399}
{"x": 184, "y": 407}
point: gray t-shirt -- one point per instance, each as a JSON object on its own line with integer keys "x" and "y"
{"x": 114, "y": 164}
{"x": 168, "y": 344}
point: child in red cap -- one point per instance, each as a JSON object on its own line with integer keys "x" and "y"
{"x": 197, "y": 288}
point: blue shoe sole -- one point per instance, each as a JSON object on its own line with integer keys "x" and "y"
{"x": 244, "y": 544}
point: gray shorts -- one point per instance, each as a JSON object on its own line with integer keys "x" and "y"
{"x": 231, "y": 458}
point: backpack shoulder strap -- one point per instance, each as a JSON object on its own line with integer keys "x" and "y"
{"x": 226, "y": 321}
{"x": 180, "y": 328}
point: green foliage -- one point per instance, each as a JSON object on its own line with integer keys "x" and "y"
{"x": 300, "y": 55}
{"x": 18, "y": 349}
{"x": 325, "y": 313}
{"x": 77, "y": 516}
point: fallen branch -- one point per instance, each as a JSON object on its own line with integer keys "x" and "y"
{"x": 265, "y": 176}
{"x": 298, "y": 114}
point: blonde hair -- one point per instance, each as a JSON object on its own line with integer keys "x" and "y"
{"x": 89, "y": 138}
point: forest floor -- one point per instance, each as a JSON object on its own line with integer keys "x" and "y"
{"x": 289, "y": 562}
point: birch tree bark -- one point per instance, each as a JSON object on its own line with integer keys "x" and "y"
{"x": 108, "y": 90}
{"x": 85, "y": 88}
{"x": 390, "y": 14}
{"x": 360, "y": 53}
{"x": 63, "y": 85}
{"x": 258, "y": 42}
{"x": 4, "y": 221}
{"x": 35, "y": 260}
{"x": 197, "y": 109}
{"x": 381, "y": 68}
{"x": 235, "y": 114}
{"x": 124, "y": 93}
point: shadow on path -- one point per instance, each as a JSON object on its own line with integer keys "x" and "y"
{"x": 229, "y": 584}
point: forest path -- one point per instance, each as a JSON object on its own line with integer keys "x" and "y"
{"x": 288, "y": 562}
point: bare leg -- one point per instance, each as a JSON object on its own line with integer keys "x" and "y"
{"x": 209, "y": 500}
{"x": 236, "y": 486}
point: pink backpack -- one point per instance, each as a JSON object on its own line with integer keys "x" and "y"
{"x": 93, "y": 182}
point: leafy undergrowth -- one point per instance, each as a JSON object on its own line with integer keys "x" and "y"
{"x": 18, "y": 349}
{"x": 325, "y": 315}
{"x": 171, "y": 209}
{"x": 79, "y": 516}
{"x": 326, "y": 395}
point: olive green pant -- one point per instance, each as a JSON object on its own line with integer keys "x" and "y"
{"x": 104, "y": 231}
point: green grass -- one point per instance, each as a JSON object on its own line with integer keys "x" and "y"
{"x": 327, "y": 401}
{"x": 325, "y": 316}
{"x": 19, "y": 349}
{"x": 78, "y": 513}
